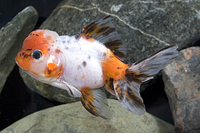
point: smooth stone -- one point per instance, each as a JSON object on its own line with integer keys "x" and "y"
{"x": 73, "y": 118}
{"x": 11, "y": 37}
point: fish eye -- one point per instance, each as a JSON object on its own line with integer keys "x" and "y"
{"x": 36, "y": 54}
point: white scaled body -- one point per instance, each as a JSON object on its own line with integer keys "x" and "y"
{"x": 82, "y": 61}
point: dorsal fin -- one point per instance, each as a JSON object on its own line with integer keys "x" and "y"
{"x": 104, "y": 31}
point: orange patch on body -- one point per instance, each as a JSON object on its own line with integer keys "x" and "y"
{"x": 85, "y": 88}
{"x": 113, "y": 67}
{"x": 57, "y": 50}
{"x": 83, "y": 76}
{"x": 53, "y": 70}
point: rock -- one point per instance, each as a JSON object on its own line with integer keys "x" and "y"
{"x": 47, "y": 91}
{"x": 73, "y": 118}
{"x": 182, "y": 78}
{"x": 145, "y": 26}
{"x": 11, "y": 38}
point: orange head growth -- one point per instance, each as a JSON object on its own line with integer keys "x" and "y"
{"x": 38, "y": 56}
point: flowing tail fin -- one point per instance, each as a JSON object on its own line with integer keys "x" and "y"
{"x": 127, "y": 89}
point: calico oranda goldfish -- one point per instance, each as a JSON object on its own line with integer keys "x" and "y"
{"x": 82, "y": 63}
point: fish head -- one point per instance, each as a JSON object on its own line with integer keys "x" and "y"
{"x": 39, "y": 57}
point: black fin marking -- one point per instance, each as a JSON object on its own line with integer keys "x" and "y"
{"x": 95, "y": 102}
{"x": 132, "y": 76}
{"x": 109, "y": 86}
{"x": 104, "y": 31}
{"x": 127, "y": 89}
{"x": 128, "y": 93}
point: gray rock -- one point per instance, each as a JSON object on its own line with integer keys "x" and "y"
{"x": 46, "y": 90}
{"x": 73, "y": 118}
{"x": 145, "y": 26}
{"x": 182, "y": 85}
{"x": 11, "y": 38}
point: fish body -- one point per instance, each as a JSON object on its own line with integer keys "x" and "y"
{"x": 82, "y": 63}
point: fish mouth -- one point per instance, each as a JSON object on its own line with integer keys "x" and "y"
{"x": 19, "y": 62}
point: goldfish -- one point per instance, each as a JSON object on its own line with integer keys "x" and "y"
{"x": 82, "y": 63}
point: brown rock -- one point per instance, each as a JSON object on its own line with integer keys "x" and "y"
{"x": 182, "y": 85}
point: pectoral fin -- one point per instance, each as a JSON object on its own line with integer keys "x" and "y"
{"x": 95, "y": 102}
{"x": 69, "y": 88}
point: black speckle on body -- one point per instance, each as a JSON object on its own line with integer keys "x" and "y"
{"x": 84, "y": 63}
{"x": 89, "y": 57}
{"x": 64, "y": 41}
{"x": 77, "y": 36}
{"x": 28, "y": 49}
{"x": 79, "y": 67}
{"x": 36, "y": 34}
{"x": 26, "y": 56}
{"x": 68, "y": 41}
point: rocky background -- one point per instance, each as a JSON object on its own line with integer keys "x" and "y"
{"x": 145, "y": 27}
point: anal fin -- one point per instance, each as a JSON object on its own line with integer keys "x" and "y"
{"x": 94, "y": 101}
{"x": 128, "y": 93}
